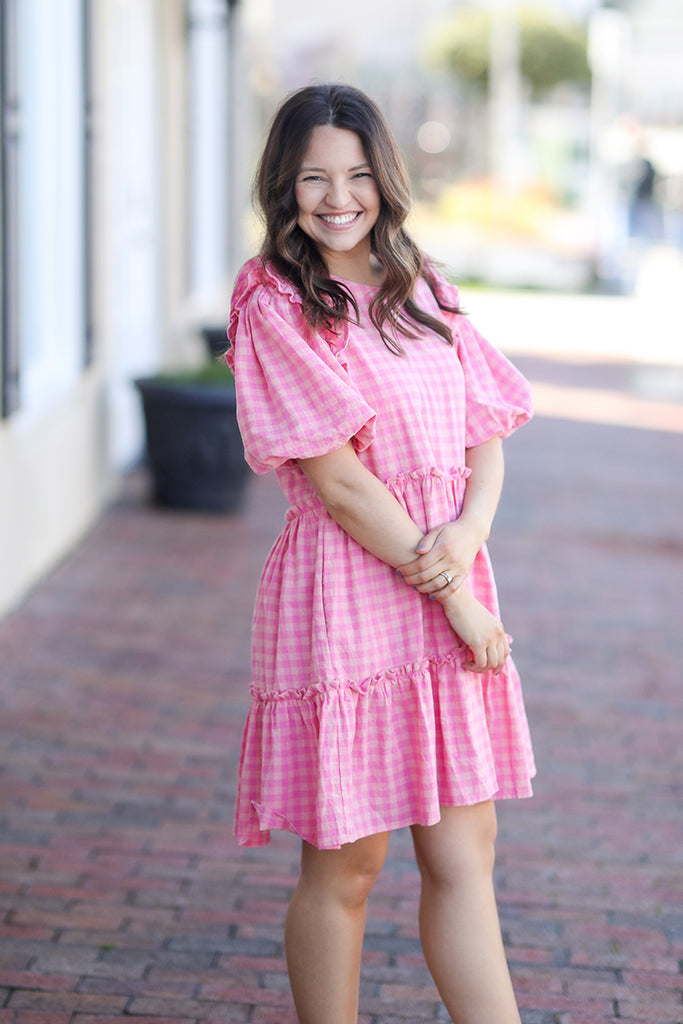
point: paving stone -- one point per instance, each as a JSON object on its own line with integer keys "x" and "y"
{"x": 38, "y": 1017}
{"x": 85, "y": 1018}
{"x": 164, "y": 1007}
{"x": 27, "y": 999}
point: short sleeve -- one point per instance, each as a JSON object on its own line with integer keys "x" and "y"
{"x": 294, "y": 398}
{"x": 498, "y": 397}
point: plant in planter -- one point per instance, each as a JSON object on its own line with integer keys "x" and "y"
{"x": 194, "y": 448}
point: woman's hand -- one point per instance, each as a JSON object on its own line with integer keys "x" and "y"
{"x": 479, "y": 630}
{"x": 450, "y": 548}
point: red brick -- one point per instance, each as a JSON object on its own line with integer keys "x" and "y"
{"x": 536, "y": 981}
{"x": 585, "y": 1018}
{"x": 658, "y": 979}
{"x": 252, "y": 963}
{"x": 267, "y": 1015}
{"x": 72, "y": 1001}
{"x": 84, "y": 1018}
{"x": 656, "y": 1014}
{"x": 552, "y": 1001}
{"x": 146, "y": 1006}
{"x": 221, "y": 991}
{"x": 36, "y": 980}
{"x": 72, "y": 892}
{"x": 626, "y": 993}
{"x": 17, "y": 930}
{"x": 522, "y": 954}
{"x": 29, "y": 1017}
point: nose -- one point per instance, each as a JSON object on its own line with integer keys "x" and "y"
{"x": 338, "y": 193}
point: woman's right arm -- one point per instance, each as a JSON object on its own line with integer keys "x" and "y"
{"x": 367, "y": 510}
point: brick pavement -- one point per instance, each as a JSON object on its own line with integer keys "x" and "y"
{"x": 122, "y": 692}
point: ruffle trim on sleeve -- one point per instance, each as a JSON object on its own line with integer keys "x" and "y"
{"x": 256, "y": 273}
{"x": 445, "y": 292}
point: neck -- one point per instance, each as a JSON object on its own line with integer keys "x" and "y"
{"x": 349, "y": 267}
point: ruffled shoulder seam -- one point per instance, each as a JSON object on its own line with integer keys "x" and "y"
{"x": 445, "y": 292}
{"x": 258, "y": 272}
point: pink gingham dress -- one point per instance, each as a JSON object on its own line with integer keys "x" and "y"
{"x": 362, "y": 716}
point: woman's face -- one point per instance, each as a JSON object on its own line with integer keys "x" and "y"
{"x": 338, "y": 198}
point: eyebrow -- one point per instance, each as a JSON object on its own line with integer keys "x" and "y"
{"x": 358, "y": 167}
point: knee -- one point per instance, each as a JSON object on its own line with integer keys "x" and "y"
{"x": 347, "y": 876}
{"x": 462, "y": 846}
{"x": 355, "y": 885}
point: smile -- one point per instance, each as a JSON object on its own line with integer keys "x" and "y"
{"x": 338, "y": 219}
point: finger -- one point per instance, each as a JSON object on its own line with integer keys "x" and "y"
{"x": 503, "y": 656}
{"x": 425, "y": 574}
{"x": 427, "y": 542}
{"x": 419, "y": 570}
{"x": 480, "y": 658}
{"x": 426, "y": 559}
{"x": 472, "y": 666}
{"x": 438, "y": 587}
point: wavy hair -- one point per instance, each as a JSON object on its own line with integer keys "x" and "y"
{"x": 327, "y": 303}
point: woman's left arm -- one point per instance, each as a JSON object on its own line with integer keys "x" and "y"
{"x": 452, "y": 547}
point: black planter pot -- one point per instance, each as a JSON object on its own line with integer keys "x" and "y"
{"x": 194, "y": 448}
{"x": 215, "y": 340}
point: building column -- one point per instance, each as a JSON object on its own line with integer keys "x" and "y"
{"x": 208, "y": 150}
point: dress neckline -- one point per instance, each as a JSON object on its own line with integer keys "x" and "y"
{"x": 355, "y": 284}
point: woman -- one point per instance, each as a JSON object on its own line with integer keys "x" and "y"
{"x": 383, "y": 694}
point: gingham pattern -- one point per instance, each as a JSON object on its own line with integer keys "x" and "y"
{"x": 362, "y": 716}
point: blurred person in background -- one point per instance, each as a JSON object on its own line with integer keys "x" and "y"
{"x": 644, "y": 212}
{"x": 383, "y": 692}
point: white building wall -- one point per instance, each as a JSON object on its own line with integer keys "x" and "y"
{"x": 129, "y": 225}
{"x": 52, "y": 474}
{"x": 152, "y": 267}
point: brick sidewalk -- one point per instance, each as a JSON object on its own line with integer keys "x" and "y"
{"x": 123, "y": 689}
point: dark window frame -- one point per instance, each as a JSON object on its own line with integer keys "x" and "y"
{"x": 10, "y": 129}
{"x": 88, "y": 164}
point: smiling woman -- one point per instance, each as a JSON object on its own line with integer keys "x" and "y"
{"x": 383, "y": 691}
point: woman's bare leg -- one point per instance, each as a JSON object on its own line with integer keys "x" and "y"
{"x": 325, "y": 927}
{"x": 459, "y": 923}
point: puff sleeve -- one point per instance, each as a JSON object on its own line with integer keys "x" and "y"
{"x": 294, "y": 398}
{"x": 497, "y": 396}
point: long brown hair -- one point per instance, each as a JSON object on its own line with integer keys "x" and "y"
{"x": 290, "y": 250}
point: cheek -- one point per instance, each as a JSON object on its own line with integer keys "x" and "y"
{"x": 375, "y": 201}
{"x": 304, "y": 202}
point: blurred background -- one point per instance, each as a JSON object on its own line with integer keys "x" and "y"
{"x": 544, "y": 143}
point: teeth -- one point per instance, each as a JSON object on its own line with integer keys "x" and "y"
{"x": 341, "y": 218}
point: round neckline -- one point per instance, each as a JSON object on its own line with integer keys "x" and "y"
{"x": 354, "y": 284}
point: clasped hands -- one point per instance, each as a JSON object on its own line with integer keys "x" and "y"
{"x": 452, "y": 548}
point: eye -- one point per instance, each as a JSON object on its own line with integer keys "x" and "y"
{"x": 314, "y": 178}
{"x": 363, "y": 174}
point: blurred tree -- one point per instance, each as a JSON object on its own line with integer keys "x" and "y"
{"x": 552, "y": 49}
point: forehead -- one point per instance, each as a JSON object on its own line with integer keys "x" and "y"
{"x": 334, "y": 147}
